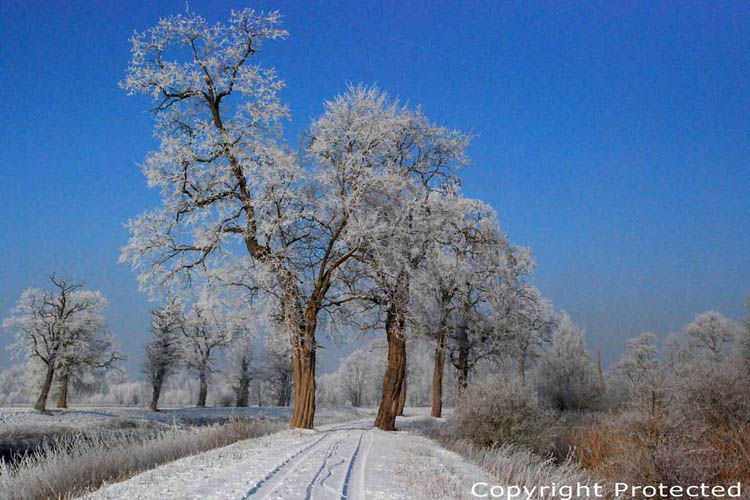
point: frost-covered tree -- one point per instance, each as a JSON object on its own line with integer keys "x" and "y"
{"x": 56, "y": 326}
{"x": 480, "y": 325}
{"x": 162, "y": 352}
{"x": 446, "y": 268}
{"x": 567, "y": 377}
{"x": 528, "y": 320}
{"x": 277, "y": 370}
{"x": 94, "y": 350}
{"x": 407, "y": 163}
{"x": 640, "y": 368}
{"x": 238, "y": 367}
{"x": 712, "y": 333}
{"x": 355, "y": 376}
{"x": 235, "y": 202}
{"x": 208, "y": 327}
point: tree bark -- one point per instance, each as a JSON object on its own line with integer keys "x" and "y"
{"x": 602, "y": 386}
{"x": 402, "y": 394}
{"x": 62, "y": 396}
{"x": 203, "y": 392}
{"x": 395, "y": 372}
{"x": 41, "y": 403}
{"x": 437, "y": 376}
{"x": 155, "y": 397}
{"x": 303, "y": 369}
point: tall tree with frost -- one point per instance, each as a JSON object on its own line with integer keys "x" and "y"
{"x": 234, "y": 202}
{"x": 409, "y": 163}
{"x": 452, "y": 261}
{"x": 51, "y": 324}
{"x": 162, "y": 353}
{"x": 484, "y": 298}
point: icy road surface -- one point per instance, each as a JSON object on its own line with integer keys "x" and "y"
{"x": 338, "y": 461}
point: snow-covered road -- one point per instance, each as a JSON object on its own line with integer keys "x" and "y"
{"x": 339, "y": 461}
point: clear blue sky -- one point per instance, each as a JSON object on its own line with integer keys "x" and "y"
{"x": 612, "y": 137}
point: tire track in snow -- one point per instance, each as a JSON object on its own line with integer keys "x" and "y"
{"x": 352, "y": 461}
{"x": 272, "y": 475}
{"x": 324, "y": 467}
{"x": 363, "y": 470}
{"x": 291, "y": 463}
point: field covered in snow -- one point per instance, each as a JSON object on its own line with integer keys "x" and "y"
{"x": 16, "y": 418}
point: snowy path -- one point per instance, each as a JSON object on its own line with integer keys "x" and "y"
{"x": 340, "y": 461}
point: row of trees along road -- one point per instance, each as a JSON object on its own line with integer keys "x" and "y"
{"x": 342, "y": 230}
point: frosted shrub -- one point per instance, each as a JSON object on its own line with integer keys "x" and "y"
{"x": 494, "y": 412}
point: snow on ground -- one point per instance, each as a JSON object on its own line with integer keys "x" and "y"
{"x": 349, "y": 460}
{"x": 78, "y": 418}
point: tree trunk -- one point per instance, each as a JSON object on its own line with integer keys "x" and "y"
{"x": 437, "y": 376}
{"x": 463, "y": 371}
{"x": 395, "y": 373}
{"x": 155, "y": 396}
{"x": 243, "y": 390}
{"x": 522, "y": 370}
{"x": 41, "y": 403}
{"x": 62, "y": 396}
{"x": 203, "y": 392}
{"x": 303, "y": 369}
{"x": 402, "y": 394}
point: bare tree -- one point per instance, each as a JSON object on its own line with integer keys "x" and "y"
{"x": 51, "y": 325}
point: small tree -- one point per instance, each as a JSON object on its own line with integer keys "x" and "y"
{"x": 239, "y": 368}
{"x": 53, "y": 324}
{"x": 712, "y": 333}
{"x": 356, "y": 374}
{"x": 639, "y": 367}
{"x": 567, "y": 377}
{"x": 162, "y": 354}
{"x": 94, "y": 349}
{"x": 277, "y": 370}
{"x": 207, "y": 328}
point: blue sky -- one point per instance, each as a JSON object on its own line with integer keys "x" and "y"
{"x": 612, "y": 138}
